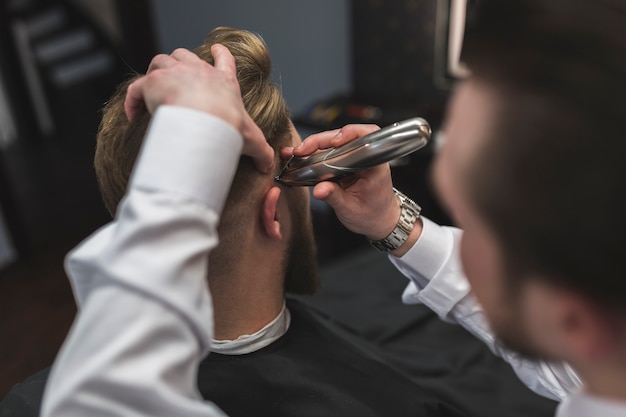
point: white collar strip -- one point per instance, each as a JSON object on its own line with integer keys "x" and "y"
{"x": 249, "y": 343}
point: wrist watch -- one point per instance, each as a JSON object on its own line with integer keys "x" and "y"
{"x": 410, "y": 212}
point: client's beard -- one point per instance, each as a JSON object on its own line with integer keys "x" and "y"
{"x": 301, "y": 276}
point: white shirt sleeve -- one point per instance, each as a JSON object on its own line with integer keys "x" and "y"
{"x": 145, "y": 315}
{"x": 436, "y": 277}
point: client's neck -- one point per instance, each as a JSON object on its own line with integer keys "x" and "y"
{"x": 248, "y": 297}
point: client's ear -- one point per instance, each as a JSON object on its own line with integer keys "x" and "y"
{"x": 269, "y": 213}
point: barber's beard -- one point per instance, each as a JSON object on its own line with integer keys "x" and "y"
{"x": 301, "y": 274}
{"x": 509, "y": 328}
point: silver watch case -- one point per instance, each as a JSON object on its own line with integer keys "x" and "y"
{"x": 409, "y": 214}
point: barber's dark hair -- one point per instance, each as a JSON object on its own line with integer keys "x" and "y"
{"x": 551, "y": 178}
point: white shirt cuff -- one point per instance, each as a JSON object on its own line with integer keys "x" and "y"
{"x": 434, "y": 268}
{"x": 428, "y": 254}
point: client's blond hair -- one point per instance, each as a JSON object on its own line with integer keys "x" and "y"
{"x": 119, "y": 141}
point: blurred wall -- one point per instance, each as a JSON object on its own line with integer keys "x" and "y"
{"x": 309, "y": 40}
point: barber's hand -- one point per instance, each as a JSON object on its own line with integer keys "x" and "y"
{"x": 364, "y": 202}
{"x": 183, "y": 79}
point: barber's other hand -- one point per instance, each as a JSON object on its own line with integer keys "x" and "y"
{"x": 183, "y": 79}
{"x": 364, "y": 202}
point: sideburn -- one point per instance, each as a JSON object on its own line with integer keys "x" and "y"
{"x": 301, "y": 270}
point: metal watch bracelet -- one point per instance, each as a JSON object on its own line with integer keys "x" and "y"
{"x": 409, "y": 214}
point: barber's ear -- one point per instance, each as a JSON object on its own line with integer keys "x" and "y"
{"x": 591, "y": 331}
{"x": 270, "y": 216}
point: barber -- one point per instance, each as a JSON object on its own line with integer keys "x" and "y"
{"x": 532, "y": 170}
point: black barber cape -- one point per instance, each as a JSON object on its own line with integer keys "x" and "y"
{"x": 367, "y": 354}
{"x": 404, "y": 361}
{"x": 315, "y": 369}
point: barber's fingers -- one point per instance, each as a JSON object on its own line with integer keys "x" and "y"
{"x": 315, "y": 142}
{"x": 184, "y": 55}
{"x": 351, "y": 132}
{"x": 161, "y": 61}
{"x": 333, "y": 138}
{"x": 331, "y": 193}
{"x": 255, "y": 145}
{"x": 365, "y": 203}
{"x": 223, "y": 60}
{"x": 185, "y": 80}
{"x": 363, "y": 185}
{"x": 134, "y": 103}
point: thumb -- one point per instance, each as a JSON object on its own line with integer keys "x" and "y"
{"x": 330, "y": 193}
{"x": 134, "y": 102}
{"x": 256, "y": 146}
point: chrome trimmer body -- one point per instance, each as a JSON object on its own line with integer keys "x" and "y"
{"x": 384, "y": 145}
